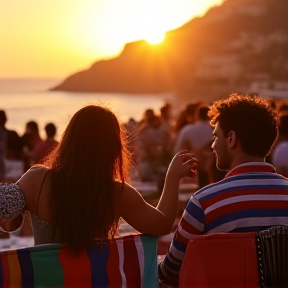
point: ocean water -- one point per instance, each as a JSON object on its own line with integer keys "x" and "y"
{"x": 29, "y": 99}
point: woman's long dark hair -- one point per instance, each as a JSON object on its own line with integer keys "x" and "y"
{"x": 89, "y": 158}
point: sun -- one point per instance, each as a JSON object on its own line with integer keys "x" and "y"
{"x": 155, "y": 38}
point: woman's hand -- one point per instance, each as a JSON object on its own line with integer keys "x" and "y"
{"x": 183, "y": 164}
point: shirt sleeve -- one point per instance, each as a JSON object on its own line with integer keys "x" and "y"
{"x": 191, "y": 223}
{"x": 12, "y": 202}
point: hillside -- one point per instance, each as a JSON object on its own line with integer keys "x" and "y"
{"x": 226, "y": 50}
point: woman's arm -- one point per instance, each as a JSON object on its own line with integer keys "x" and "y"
{"x": 17, "y": 197}
{"x": 10, "y": 225}
{"x": 157, "y": 221}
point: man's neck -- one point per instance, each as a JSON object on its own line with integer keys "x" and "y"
{"x": 244, "y": 158}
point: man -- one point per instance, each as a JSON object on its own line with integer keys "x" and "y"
{"x": 13, "y": 141}
{"x": 2, "y": 155}
{"x": 251, "y": 197}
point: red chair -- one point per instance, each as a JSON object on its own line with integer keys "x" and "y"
{"x": 221, "y": 260}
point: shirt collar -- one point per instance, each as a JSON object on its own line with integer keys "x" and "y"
{"x": 251, "y": 167}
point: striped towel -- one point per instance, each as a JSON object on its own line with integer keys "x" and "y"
{"x": 129, "y": 261}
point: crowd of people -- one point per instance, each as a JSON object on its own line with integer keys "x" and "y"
{"x": 28, "y": 149}
{"x": 236, "y": 147}
{"x": 156, "y": 138}
{"x": 18, "y": 153}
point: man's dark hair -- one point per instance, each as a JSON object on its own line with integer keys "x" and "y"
{"x": 252, "y": 119}
{"x": 50, "y": 129}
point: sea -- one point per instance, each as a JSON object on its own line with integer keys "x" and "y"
{"x": 30, "y": 99}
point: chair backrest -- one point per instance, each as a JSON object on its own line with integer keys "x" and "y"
{"x": 221, "y": 260}
{"x": 130, "y": 261}
{"x": 272, "y": 248}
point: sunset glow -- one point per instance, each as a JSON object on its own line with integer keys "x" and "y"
{"x": 155, "y": 38}
{"x": 42, "y": 39}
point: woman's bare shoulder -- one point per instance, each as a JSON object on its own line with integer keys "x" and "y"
{"x": 124, "y": 188}
{"x": 38, "y": 168}
{"x": 31, "y": 181}
{"x": 34, "y": 173}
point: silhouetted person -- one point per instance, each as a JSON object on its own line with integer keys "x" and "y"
{"x": 197, "y": 137}
{"x": 30, "y": 140}
{"x": 279, "y": 155}
{"x": 44, "y": 148}
{"x": 2, "y": 155}
{"x": 13, "y": 141}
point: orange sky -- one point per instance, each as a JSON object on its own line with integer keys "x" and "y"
{"x": 55, "y": 38}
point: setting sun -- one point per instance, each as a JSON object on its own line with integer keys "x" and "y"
{"x": 155, "y": 38}
{"x": 73, "y": 34}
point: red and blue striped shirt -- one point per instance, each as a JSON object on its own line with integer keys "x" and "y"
{"x": 251, "y": 197}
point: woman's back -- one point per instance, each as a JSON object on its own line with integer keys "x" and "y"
{"x": 37, "y": 187}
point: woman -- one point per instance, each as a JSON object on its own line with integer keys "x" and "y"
{"x": 80, "y": 195}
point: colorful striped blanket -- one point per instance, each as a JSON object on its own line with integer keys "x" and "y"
{"x": 129, "y": 261}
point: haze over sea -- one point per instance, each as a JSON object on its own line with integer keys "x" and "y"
{"x": 29, "y": 99}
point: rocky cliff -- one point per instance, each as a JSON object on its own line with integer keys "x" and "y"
{"x": 233, "y": 45}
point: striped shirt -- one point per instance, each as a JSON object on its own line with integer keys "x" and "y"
{"x": 251, "y": 197}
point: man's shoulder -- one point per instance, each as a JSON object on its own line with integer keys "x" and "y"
{"x": 222, "y": 185}
{"x": 217, "y": 186}
{"x": 241, "y": 181}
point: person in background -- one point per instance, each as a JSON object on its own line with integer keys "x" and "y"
{"x": 186, "y": 117}
{"x": 251, "y": 197}
{"x": 197, "y": 137}
{"x": 279, "y": 155}
{"x": 30, "y": 140}
{"x": 180, "y": 122}
{"x": 10, "y": 150}
{"x": 153, "y": 147}
{"x": 44, "y": 148}
{"x": 3, "y": 235}
{"x": 166, "y": 118}
{"x": 144, "y": 122}
{"x": 13, "y": 141}
{"x": 82, "y": 191}
{"x": 2, "y": 155}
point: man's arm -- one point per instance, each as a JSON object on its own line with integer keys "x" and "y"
{"x": 192, "y": 223}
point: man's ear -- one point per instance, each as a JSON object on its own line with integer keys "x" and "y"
{"x": 232, "y": 139}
